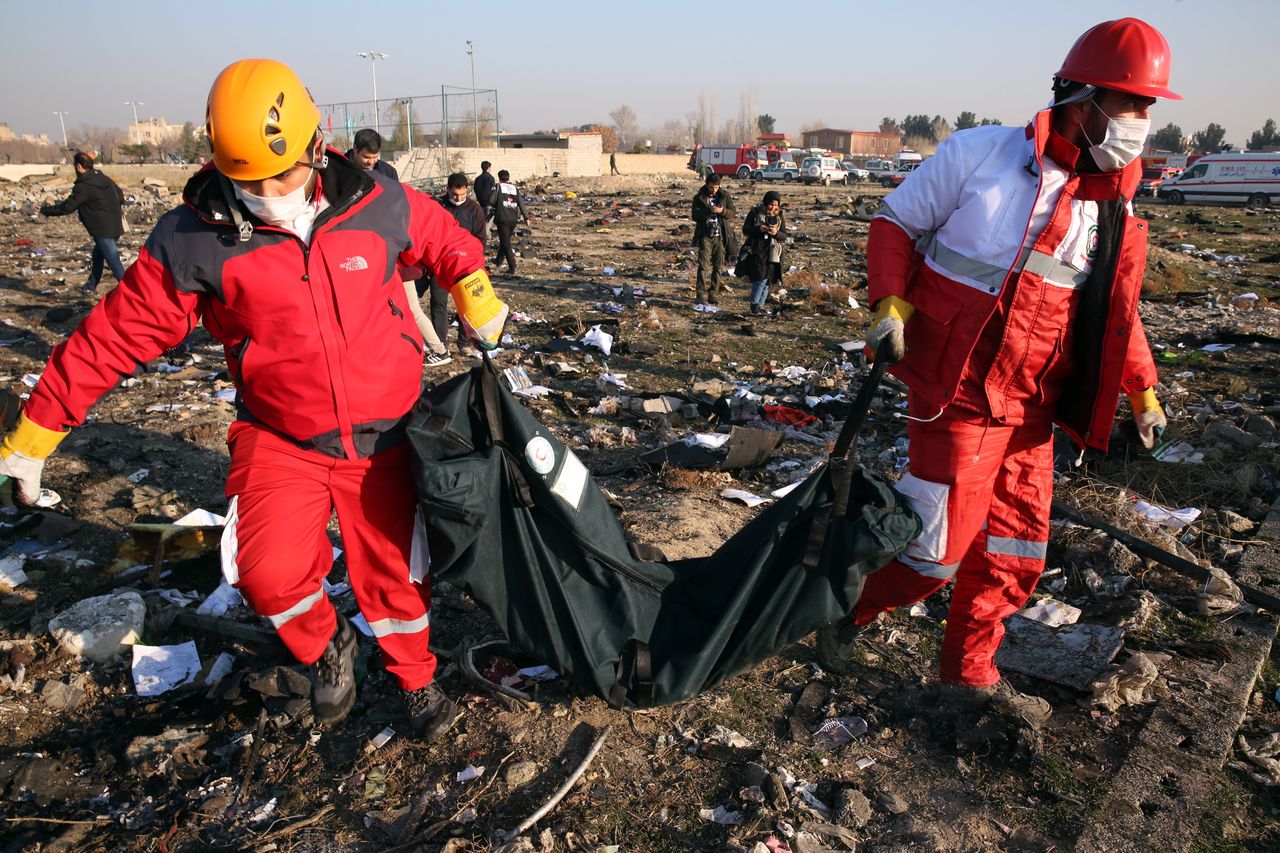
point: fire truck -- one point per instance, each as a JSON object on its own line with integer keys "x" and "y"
{"x": 737, "y": 160}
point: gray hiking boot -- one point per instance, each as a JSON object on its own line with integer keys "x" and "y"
{"x": 333, "y": 685}
{"x": 835, "y": 644}
{"x": 431, "y": 712}
{"x": 1001, "y": 696}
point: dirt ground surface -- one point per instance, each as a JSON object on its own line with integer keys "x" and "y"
{"x": 88, "y": 764}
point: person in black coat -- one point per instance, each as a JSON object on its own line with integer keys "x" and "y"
{"x": 712, "y": 235}
{"x": 365, "y": 148}
{"x": 470, "y": 215}
{"x": 96, "y": 199}
{"x": 508, "y": 210}
{"x": 761, "y": 258}
{"x": 486, "y": 186}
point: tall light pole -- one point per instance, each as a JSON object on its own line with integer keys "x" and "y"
{"x": 137, "y": 131}
{"x": 373, "y": 56}
{"x": 62, "y": 121}
{"x": 408, "y": 118}
{"x": 475, "y": 112}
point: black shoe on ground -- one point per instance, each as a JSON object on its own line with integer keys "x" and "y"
{"x": 431, "y": 712}
{"x": 89, "y": 288}
{"x": 438, "y": 359}
{"x": 333, "y": 685}
{"x": 835, "y": 644}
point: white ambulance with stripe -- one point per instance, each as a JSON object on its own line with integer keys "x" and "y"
{"x": 1250, "y": 177}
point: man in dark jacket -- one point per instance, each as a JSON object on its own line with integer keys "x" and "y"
{"x": 470, "y": 215}
{"x": 508, "y": 210}
{"x": 713, "y": 237}
{"x": 96, "y": 199}
{"x": 485, "y": 186}
{"x": 365, "y": 148}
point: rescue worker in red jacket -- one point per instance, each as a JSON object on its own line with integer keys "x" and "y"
{"x": 289, "y": 253}
{"x": 1005, "y": 274}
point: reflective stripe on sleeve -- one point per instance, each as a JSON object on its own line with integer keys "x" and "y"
{"x": 383, "y": 627}
{"x": 296, "y": 610}
{"x": 1017, "y": 547}
{"x": 970, "y": 272}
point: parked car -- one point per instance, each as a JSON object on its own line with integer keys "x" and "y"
{"x": 1244, "y": 176}
{"x": 896, "y": 177}
{"x": 879, "y": 168}
{"x": 778, "y": 170}
{"x": 823, "y": 170}
{"x": 854, "y": 171}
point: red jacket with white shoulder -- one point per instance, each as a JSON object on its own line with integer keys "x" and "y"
{"x": 318, "y": 336}
{"x": 997, "y": 224}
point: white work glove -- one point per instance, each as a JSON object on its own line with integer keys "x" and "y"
{"x": 1148, "y": 417}
{"x": 22, "y": 455}
{"x": 887, "y": 337}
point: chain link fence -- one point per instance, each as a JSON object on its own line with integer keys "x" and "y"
{"x": 427, "y": 125}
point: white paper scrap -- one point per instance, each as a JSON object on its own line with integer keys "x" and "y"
{"x": 1174, "y": 519}
{"x": 1050, "y": 612}
{"x": 201, "y": 518}
{"x": 222, "y": 666}
{"x": 469, "y": 773}
{"x": 742, "y": 495}
{"x": 159, "y": 669}
{"x": 220, "y": 600}
{"x": 598, "y": 338}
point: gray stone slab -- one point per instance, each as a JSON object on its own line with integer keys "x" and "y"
{"x": 1167, "y": 782}
{"x": 1072, "y": 655}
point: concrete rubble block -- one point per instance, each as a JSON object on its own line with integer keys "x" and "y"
{"x": 1234, "y": 522}
{"x": 852, "y": 808}
{"x": 1262, "y": 426}
{"x": 101, "y": 627}
{"x": 520, "y": 773}
{"x": 1222, "y": 431}
{"x": 61, "y": 696}
{"x": 1072, "y": 655}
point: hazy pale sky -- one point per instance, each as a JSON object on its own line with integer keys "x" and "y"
{"x": 557, "y": 64}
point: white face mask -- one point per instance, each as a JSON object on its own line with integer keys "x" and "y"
{"x": 292, "y": 210}
{"x": 1124, "y": 141}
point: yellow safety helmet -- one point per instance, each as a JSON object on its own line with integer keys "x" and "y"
{"x": 260, "y": 119}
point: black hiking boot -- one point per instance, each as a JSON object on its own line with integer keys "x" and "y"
{"x": 333, "y": 685}
{"x": 431, "y": 712}
{"x": 835, "y": 644}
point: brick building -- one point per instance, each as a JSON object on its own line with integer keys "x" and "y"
{"x": 853, "y": 143}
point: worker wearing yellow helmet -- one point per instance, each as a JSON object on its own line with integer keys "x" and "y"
{"x": 290, "y": 255}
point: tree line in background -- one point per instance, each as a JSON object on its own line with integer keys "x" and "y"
{"x": 624, "y": 133}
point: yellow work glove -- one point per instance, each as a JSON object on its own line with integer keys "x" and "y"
{"x": 887, "y": 338}
{"x": 1148, "y": 417}
{"x": 482, "y": 313}
{"x": 22, "y": 455}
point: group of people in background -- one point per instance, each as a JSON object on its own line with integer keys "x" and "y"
{"x": 475, "y": 206}
{"x": 758, "y": 256}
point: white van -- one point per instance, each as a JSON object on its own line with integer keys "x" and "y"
{"x": 1251, "y": 177}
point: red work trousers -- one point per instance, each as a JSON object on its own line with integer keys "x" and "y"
{"x": 276, "y": 550}
{"x": 983, "y": 491}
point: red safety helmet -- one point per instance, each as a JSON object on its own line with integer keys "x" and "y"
{"x": 1128, "y": 55}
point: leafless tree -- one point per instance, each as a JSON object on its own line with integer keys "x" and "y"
{"x": 624, "y": 119}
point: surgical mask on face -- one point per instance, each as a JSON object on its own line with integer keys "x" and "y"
{"x": 292, "y": 211}
{"x": 1123, "y": 142}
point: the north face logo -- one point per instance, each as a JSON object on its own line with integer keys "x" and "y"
{"x": 355, "y": 263}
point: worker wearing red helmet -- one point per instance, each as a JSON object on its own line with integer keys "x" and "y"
{"x": 290, "y": 254}
{"x": 1004, "y": 275}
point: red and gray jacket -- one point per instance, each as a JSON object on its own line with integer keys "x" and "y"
{"x": 318, "y": 337}
{"x": 1024, "y": 276}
